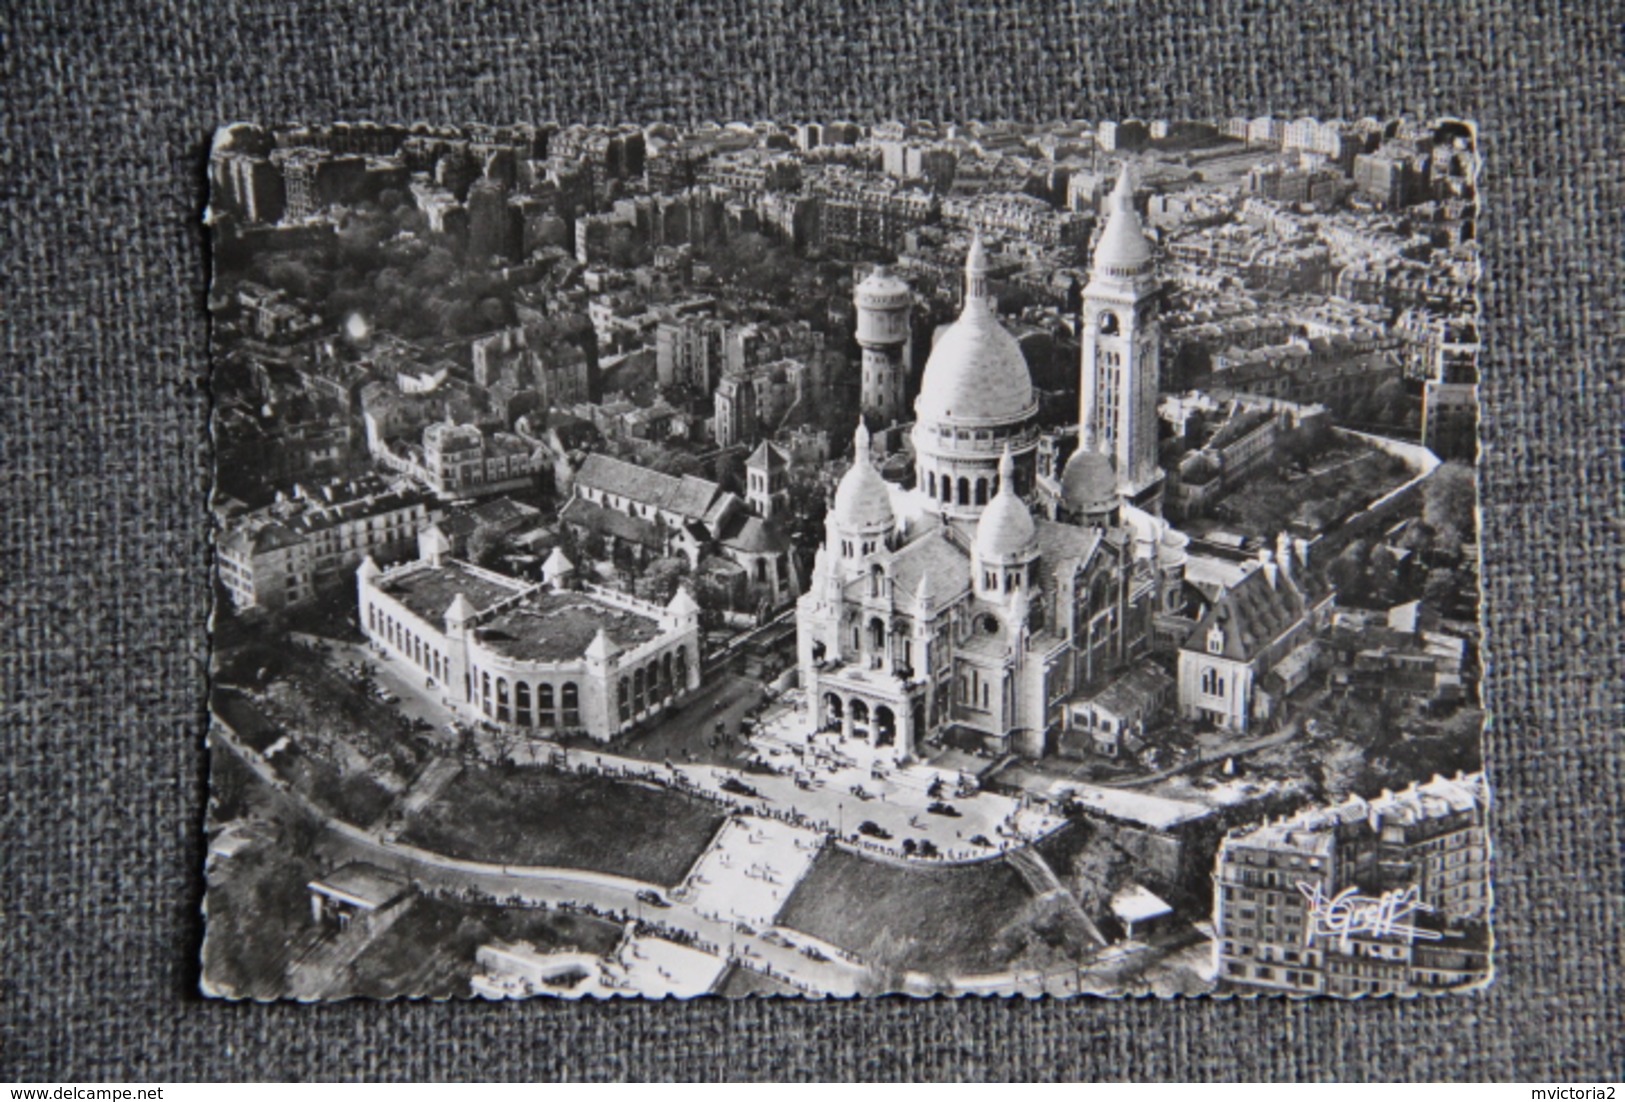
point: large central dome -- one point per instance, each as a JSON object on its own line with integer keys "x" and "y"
{"x": 976, "y": 371}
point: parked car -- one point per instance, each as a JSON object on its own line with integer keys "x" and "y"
{"x": 937, "y": 807}
{"x": 873, "y": 829}
{"x": 653, "y": 898}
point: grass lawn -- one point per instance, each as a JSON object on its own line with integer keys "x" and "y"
{"x": 939, "y": 921}
{"x": 742, "y": 983}
{"x": 535, "y": 816}
{"x": 1266, "y": 502}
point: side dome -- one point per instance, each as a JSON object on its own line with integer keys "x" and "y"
{"x": 1006, "y": 532}
{"x": 862, "y": 500}
{"x": 1088, "y": 483}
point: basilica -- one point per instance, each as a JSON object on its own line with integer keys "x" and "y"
{"x": 976, "y": 604}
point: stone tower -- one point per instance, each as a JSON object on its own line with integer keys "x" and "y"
{"x": 884, "y": 304}
{"x": 1117, "y": 413}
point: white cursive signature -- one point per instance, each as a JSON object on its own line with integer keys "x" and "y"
{"x": 1347, "y": 914}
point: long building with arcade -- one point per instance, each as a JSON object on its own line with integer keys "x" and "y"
{"x": 554, "y": 657}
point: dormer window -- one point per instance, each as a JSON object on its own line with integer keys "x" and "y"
{"x": 1215, "y": 640}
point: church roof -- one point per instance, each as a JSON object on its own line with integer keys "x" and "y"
{"x": 752, "y": 534}
{"x": 688, "y": 496}
{"x": 976, "y": 370}
{"x": 1123, "y": 248}
{"x": 769, "y": 455}
{"x": 1060, "y": 545}
{"x": 1006, "y": 531}
{"x": 931, "y": 556}
{"x": 1253, "y": 613}
{"x": 1088, "y": 482}
{"x": 862, "y": 500}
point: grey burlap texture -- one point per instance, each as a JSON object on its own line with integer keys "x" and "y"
{"x": 106, "y": 113}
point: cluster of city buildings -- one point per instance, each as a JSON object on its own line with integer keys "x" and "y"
{"x": 1380, "y": 896}
{"x": 1002, "y": 570}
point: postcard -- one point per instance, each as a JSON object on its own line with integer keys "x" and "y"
{"x": 830, "y": 559}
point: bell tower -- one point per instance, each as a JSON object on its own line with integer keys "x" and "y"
{"x": 1117, "y": 413}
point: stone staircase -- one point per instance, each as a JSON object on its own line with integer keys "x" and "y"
{"x": 1041, "y": 880}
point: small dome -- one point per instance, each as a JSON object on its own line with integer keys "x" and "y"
{"x": 1123, "y": 248}
{"x": 1088, "y": 483}
{"x": 862, "y": 501}
{"x": 1006, "y": 532}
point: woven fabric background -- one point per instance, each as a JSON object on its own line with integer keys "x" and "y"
{"x": 105, "y": 114}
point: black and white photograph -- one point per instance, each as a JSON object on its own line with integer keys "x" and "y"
{"x": 818, "y": 559}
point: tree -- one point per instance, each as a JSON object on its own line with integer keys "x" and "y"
{"x": 484, "y": 546}
{"x": 1347, "y": 571}
{"x": 1450, "y": 504}
{"x": 1098, "y": 871}
{"x": 726, "y": 470}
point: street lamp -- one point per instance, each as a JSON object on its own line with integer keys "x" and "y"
{"x": 840, "y": 812}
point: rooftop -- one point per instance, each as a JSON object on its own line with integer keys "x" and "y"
{"x": 687, "y": 496}
{"x": 558, "y": 627}
{"x": 429, "y": 590}
{"x": 362, "y": 885}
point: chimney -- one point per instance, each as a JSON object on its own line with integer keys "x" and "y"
{"x": 1283, "y": 553}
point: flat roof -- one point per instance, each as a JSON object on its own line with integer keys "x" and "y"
{"x": 1137, "y": 904}
{"x": 361, "y": 885}
{"x": 556, "y": 627}
{"x": 429, "y": 591}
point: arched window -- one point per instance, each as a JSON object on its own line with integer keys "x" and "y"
{"x": 502, "y": 699}
{"x": 964, "y": 491}
{"x": 947, "y": 490}
{"x": 981, "y": 491}
{"x": 877, "y": 581}
{"x": 885, "y": 726}
{"x": 521, "y": 703}
{"x": 666, "y": 686}
{"x": 1212, "y": 682}
{"x": 637, "y": 691}
{"x": 624, "y": 699}
{"x": 877, "y": 635}
{"x": 931, "y": 483}
{"x": 680, "y": 668}
{"x": 570, "y": 699}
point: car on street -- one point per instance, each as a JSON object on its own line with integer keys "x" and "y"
{"x": 653, "y": 898}
{"x": 938, "y": 807}
{"x": 873, "y": 829}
